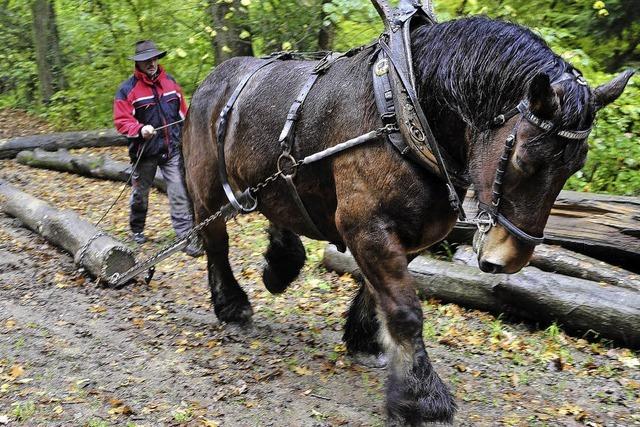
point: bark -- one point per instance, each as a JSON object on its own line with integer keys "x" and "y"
{"x": 579, "y": 306}
{"x": 65, "y": 229}
{"x": 226, "y": 18}
{"x": 102, "y": 167}
{"x": 327, "y": 33}
{"x": 47, "y": 48}
{"x": 10, "y": 147}
{"x": 602, "y": 226}
{"x": 556, "y": 259}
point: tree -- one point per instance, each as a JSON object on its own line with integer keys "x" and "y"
{"x": 229, "y": 37}
{"x": 47, "y": 49}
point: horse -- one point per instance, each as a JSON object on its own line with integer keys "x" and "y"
{"x": 381, "y": 206}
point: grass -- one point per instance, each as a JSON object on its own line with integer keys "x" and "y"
{"x": 22, "y": 411}
{"x": 183, "y": 416}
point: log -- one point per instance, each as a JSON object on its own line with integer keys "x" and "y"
{"x": 556, "y": 259}
{"x": 602, "y": 226}
{"x": 65, "y": 229}
{"x": 10, "y": 147}
{"x": 579, "y": 306}
{"x": 102, "y": 167}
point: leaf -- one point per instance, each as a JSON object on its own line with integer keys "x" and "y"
{"x": 181, "y": 53}
{"x": 629, "y": 362}
{"x": 206, "y": 422}
{"x": 16, "y": 371}
{"x": 10, "y": 324}
{"x": 302, "y": 370}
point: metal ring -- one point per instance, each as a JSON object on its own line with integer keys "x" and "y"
{"x": 252, "y": 207}
{"x": 294, "y": 168}
{"x": 484, "y": 225}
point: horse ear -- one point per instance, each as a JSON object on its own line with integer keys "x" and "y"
{"x": 542, "y": 98}
{"x": 607, "y": 93}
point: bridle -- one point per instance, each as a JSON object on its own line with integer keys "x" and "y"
{"x": 489, "y": 214}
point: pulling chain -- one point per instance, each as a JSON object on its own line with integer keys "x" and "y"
{"x": 229, "y": 211}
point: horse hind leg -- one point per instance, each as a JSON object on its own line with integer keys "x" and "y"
{"x": 361, "y": 330}
{"x": 285, "y": 258}
{"x": 230, "y": 302}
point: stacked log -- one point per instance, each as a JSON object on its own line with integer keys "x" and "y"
{"x": 102, "y": 167}
{"x": 602, "y": 226}
{"x": 100, "y": 254}
{"x": 578, "y": 305}
{"x": 10, "y": 147}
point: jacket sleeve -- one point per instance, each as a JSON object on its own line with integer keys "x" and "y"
{"x": 123, "y": 118}
{"x": 183, "y": 102}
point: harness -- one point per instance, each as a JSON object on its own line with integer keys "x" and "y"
{"x": 407, "y": 127}
{"x": 404, "y": 125}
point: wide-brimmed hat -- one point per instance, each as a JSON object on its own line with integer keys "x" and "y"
{"x": 146, "y": 49}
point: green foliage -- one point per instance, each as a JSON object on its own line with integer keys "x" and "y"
{"x": 96, "y": 36}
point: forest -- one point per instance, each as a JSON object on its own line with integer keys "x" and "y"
{"x": 63, "y": 59}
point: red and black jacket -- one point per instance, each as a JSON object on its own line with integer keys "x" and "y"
{"x": 141, "y": 101}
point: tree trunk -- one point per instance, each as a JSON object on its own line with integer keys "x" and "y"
{"x": 102, "y": 167}
{"x": 47, "y": 48}
{"x": 327, "y": 32}
{"x": 226, "y": 18}
{"x": 99, "y": 138}
{"x": 578, "y": 305}
{"x": 602, "y": 226}
{"x": 103, "y": 257}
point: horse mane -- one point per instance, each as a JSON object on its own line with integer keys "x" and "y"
{"x": 479, "y": 67}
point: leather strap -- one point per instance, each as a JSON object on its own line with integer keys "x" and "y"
{"x": 427, "y": 134}
{"x": 384, "y": 101}
{"x": 286, "y": 141}
{"x": 286, "y": 135}
{"x": 220, "y": 135}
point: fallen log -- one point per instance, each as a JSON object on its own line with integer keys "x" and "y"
{"x": 10, "y": 147}
{"x": 578, "y": 305}
{"x": 602, "y": 226}
{"x": 102, "y": 167}
{"x": 556, "y": 259}
{"x": 102, "y": 257}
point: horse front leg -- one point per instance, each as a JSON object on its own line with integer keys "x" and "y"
{"x": 415, "y": 392}
{"x": 230, "y": 302}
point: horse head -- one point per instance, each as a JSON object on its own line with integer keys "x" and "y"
{"x": 517, "y": 115}
{"x": 525, "y": 161}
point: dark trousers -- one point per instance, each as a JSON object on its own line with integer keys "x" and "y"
{"x": 179, "y": 203}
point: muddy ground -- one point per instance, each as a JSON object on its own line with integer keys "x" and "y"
{"x": 75, "y": 354}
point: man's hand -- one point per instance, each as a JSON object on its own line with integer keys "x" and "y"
{"x": 147, "y": 132}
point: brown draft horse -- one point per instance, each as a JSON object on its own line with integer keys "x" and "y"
{"x": 380, "y": 205}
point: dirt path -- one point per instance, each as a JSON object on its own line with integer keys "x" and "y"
{"x": 72, "y": 353}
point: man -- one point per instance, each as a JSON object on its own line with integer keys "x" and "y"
{"x": 149, "y": 108}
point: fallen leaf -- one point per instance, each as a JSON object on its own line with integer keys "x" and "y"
{"x": 10, "y": 324}
{"x": 16, "y": 371}
{"x": 302, "y": 370}
{"x": 205, "y": 422}
{"x": 97, "y": 308}
{"x": 629, "y": 362}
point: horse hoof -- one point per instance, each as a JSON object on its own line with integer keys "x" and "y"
{"x": 235, "y": 328}
{"x": 376, "y": 361}
{"x": 231, "y": 313}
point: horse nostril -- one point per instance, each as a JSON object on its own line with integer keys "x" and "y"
{"x": 489, "y": 267}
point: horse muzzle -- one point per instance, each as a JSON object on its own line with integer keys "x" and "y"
{"x": 499, "y": 251}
